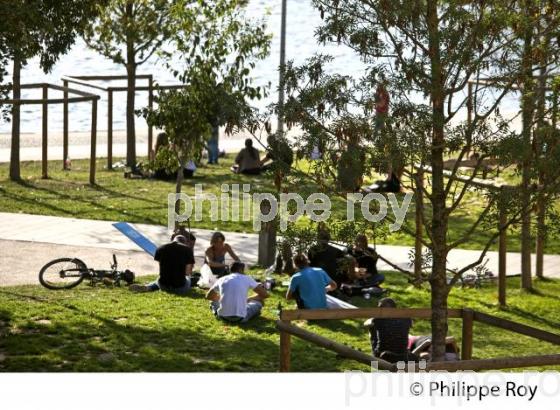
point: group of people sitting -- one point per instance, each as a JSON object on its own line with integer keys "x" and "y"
{"x": 236, "y": 297}
{"x": 352, "y": 268}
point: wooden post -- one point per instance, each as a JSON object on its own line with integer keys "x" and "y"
{"x": 150, "y": 106}
{"x": 45, "y": 153}
{"x": 285, "y": 350}
{"x": 502, "y": 255}
{"x": 541, "y": 209}
{"x": 109, "y": 129}
{"x": 267, "y": 239}
{"x": 93, "y": 142}
{"x": 65, "y": 128}
{"x": 467, "y": 337}
{"x": 419, "y": 204}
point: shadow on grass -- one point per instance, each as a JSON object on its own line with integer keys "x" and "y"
{"x": 531, "y": 316}
{"x": 61, "y": 335}
{"x": 127, "y": 215}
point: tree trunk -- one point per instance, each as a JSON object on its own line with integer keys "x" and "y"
{"x": 528, "y": 108}
{"x": 14, "y": 153}
{"x": 438, "y": 279}
{"x": 179, "y": 185}
{"x": 130, "y": 94}
{"x": 540, "y": 154}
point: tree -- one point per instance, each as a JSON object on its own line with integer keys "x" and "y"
{"x": 425, "y": 53}
{"x": 217, "y": 49}
{"x": 129, "y": 32}
{"x": 43, "y": 28}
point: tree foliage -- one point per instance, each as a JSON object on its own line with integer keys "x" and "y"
{"x": 45, "y": 29}
{"x": 129, "y": 32}
{"x": 217, "y": 47}
{"x": 427, "y": 54}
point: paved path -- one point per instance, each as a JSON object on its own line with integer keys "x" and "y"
{"x": 27, "y": 242}
{"x": 79, "y": 147}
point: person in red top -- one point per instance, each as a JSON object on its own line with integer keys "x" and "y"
{"x": 381, "y": 101}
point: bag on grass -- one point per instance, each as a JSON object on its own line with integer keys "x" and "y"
{"x": 207, "y": 278}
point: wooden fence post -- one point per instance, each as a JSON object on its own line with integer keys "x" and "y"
{"x": 502, "y": 254}
{"x": 45, "y": 143}
{"x": 467, "y": 336}
{"x": 93, "y": 141}
{"x": 109, "y": 129}
{"x": 65, "y": 128}
{"x": 150, "y": 106}
{"x": 285, "y": 350}
{"x": 419, "y": 205}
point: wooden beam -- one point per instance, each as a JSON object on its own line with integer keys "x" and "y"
{"x": 363, "y": 313}
{"x": 517, "y": 327}
{"x": 65, "y": 128}
{"x": 495, "y": 364}
{"x": 41, "y": 101}
{"x": 45, "y": 136}
{"x": 93, "y": 142}
{"x": 150, "y": 128}
{"x": 419, "y": 223}
{"x": 476, "y": 182}
{"x": 329, "y": 344}
{"x": 110, "y": 129}
{"x": 502, "y": 256}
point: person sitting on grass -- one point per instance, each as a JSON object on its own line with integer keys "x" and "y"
{"x": 161, "y": 162}
{"x": 327, "y": 257}
{"x": 366, "y": 258}
{"x": 228, "y": 296}
{"x": 389, "y": 336}
{"x": 216, "y": 254}
{"x": 248, "y": 160}
{"x": 176, "y": 261}
{"x": 309, "y": 286}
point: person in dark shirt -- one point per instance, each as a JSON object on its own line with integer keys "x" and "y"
{"x": 366, "y": 258}
{"x": 176, "y": 261}
{"x": 389, "y": 337}
{"x": 327, "y": 257}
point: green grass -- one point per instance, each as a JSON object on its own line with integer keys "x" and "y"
{"x": 112, "y": 329}
{"x": 67, "y": 193}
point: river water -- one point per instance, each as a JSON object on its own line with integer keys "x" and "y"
{"x": 302, "y": 20}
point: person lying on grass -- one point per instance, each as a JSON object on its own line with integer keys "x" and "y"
{"x": 228, "y": 296}
{"x": 176, "y": 261}
{"x": 309, "y": 287}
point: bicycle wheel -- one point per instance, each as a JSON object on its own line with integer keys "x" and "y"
{"x": 62, "y": 273}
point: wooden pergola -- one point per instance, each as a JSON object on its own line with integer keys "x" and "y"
{"x": 68, "y": 98}
{"x": 89, "y": 81}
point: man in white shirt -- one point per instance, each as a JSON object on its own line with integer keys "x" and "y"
{"x": 228, "y": 296}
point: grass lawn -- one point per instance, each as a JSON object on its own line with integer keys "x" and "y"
{"x": 112, "y": 329}
{"x": 67, "y": 193}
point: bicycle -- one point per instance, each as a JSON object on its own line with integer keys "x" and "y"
{"x": 66, "y": 273}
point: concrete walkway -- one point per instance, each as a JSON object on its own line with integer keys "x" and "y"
{"x": 79, "y": 147}
{"x": 27, "y": 242}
